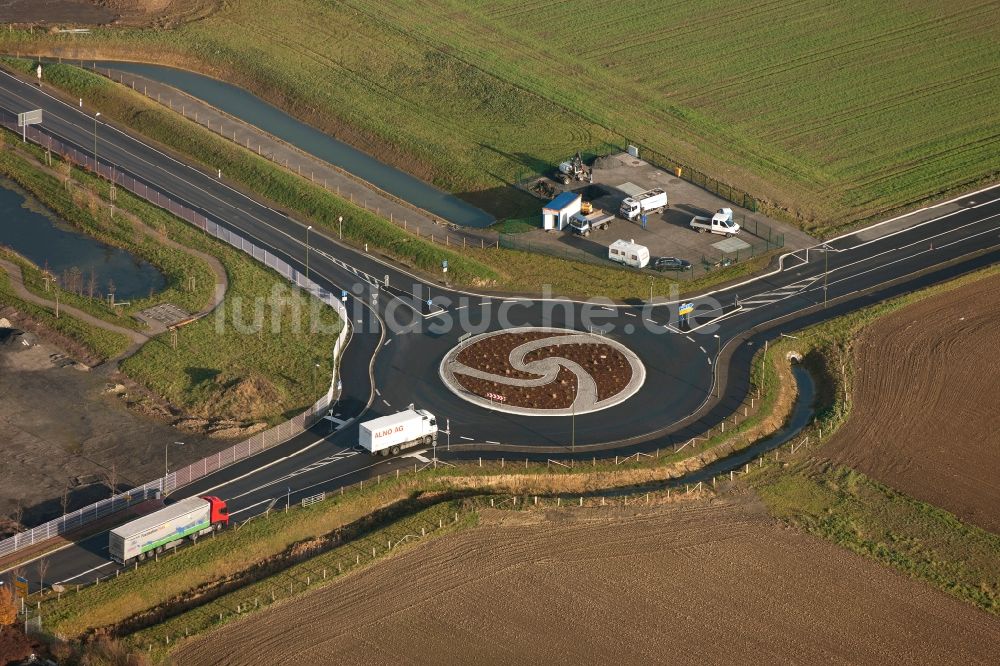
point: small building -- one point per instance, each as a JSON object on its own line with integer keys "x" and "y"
{"x": 557, "y": 214}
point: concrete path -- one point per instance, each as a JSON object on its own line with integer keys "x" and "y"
{"x": 138, "y": 338}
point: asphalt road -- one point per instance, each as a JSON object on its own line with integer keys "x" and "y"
{"x": 399, "y": 340}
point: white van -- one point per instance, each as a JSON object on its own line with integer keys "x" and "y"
{"x": 629, "y": 253}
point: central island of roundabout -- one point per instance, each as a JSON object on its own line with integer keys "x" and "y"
{"x": 535, "y": 371}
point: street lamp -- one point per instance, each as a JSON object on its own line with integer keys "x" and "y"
{"x": 340, "y": 221}
{"x": 718, "y": 353}
{"x": 96, "y": 168}
{"x": 308, "y": 229}
{"x": 166, "y": 448}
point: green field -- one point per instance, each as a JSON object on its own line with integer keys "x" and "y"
{"x": 833, "y": 111}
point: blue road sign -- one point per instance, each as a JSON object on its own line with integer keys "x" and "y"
{"x": 343, "y": 295}
{"x": 686, "y": 309}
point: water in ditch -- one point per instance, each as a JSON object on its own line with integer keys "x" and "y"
{"x": 249, "y": 108}
{"x": 75, "y": 258}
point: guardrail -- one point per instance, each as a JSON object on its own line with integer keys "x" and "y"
{"x": 249, "y": 447}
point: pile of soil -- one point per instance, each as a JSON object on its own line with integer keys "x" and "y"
{"x": 608, "y": 366}
{"x": 559, "y": 394}
{"x": 241, "y": 398}
{"x": 607, "y": 162}
{"x": 20, "y": 320}
{"x": 492, "y": 354}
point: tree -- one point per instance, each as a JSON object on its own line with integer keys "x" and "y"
{"x": 8, "y": 606}
{"x": 43, "y": 568}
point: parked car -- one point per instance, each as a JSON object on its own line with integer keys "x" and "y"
{"x": 670, "y": 264}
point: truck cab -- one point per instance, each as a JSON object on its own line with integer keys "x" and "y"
{"x": 721, "y": 223}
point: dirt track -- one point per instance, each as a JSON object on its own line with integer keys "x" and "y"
{"x": 925, "y": 416}
{"x": 691, "y": 583}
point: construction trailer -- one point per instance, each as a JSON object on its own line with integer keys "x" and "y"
{"x": 558, "y": 213}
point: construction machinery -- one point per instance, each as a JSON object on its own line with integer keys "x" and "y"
{"x": 574, "y": 169}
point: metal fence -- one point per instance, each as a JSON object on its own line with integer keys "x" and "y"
{"x": 259, "y": 442}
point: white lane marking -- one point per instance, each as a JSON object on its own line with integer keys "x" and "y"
{"x": 652, "y": 322}
{"x": 468, "y": 439}
{"x": 271, "y": 499}
{"x": 329, "y": 460}
{"x": 689, "y": 338}
{"x": 84, "y": 573}
{"x": 270, "y": 464}
{"x": 987, "y": 203}
{"x": 489, "y": 442}
{"x": 907, "y": 258}
{"x": 605, "y": 307}
{"x": 702, "y": 349}
{"x": 631, "y": 314}
{"x": 675, "y": 330}
{"x": 378, "y": 393}
{"x": 386, "y": 343}
{"x": 709, "y": 361}
{"x": 386, "y": 402}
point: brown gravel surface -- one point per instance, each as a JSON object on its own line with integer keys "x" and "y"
{"x": 926, "y": 419}
{"x": 492, "y": 354}
{"x": 690, "y": 583}
{"x": 554, "y": 395}
{"x": 608, "y": 366}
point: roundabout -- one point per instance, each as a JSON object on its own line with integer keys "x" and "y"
{"x": 539, "y": 371}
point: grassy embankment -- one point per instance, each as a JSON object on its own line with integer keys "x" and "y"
{"x": 473, "y": 95}
{"x": 493, "y": 268}
{"x": 847, "y": 507}
{"x": 252, "y": 359}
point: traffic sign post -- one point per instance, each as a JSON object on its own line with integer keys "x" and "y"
{"x": 343, "y": 295}
{"x": 28, "y": 118}
{"x": 683, "y": 311}
{"x": 444, "y": 266}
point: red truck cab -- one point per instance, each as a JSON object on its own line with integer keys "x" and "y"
{"x": 219, "y": 511}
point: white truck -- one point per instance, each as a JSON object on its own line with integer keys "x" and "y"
{"x": 644, "y": 203}
{"x": 629, "y": 252}
{"x": 720, "y": 223}
{"x": 395, "y": 432}
{"x": 166, "y": 528}
{"x": 583, "y": 224}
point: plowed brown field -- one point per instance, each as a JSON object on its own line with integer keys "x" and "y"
{"x": 926, "y": 414}
{"x": 691, "y": 583}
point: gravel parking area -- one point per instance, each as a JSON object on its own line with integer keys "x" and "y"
{"x": 666, "y": 233}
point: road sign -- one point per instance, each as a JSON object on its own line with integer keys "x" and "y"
{"x": 21, "y": 587}
{"x": 685, "y": 309}
{"x": 444, "y": 266}
{"x": 28, "y": 118}
{"x": 343, "y": 295}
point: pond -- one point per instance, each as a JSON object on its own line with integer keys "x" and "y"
{"x": 77, "y": 259}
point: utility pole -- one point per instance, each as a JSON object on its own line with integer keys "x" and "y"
{"x": 96, "y": 168}
{"x": 572, "y": 444}
{"x": 826, "y": 269}
{"x": 308, "y": 229}
{"x": 718, "y": 353}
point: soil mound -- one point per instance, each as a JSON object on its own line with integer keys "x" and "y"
{"x": 243, "y": 399}
{"x": 607, "y": 162}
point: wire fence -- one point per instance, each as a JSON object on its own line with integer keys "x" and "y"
{"x": 259, "y": 442}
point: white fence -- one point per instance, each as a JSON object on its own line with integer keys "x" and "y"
{"x": 259, "y": 442}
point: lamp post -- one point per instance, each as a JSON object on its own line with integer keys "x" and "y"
{"x": 340, "y": 222}
{"x": 166, "y": 448}
{"x": 308, "y": 229}
{"x": 97, "y": 169}
{"x": 826, "y": 269}
{"x": 572, "y": 441}
{"x": 718, "y": 353}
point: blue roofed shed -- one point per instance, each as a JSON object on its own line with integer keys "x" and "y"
{"x": 558, "y": 212}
